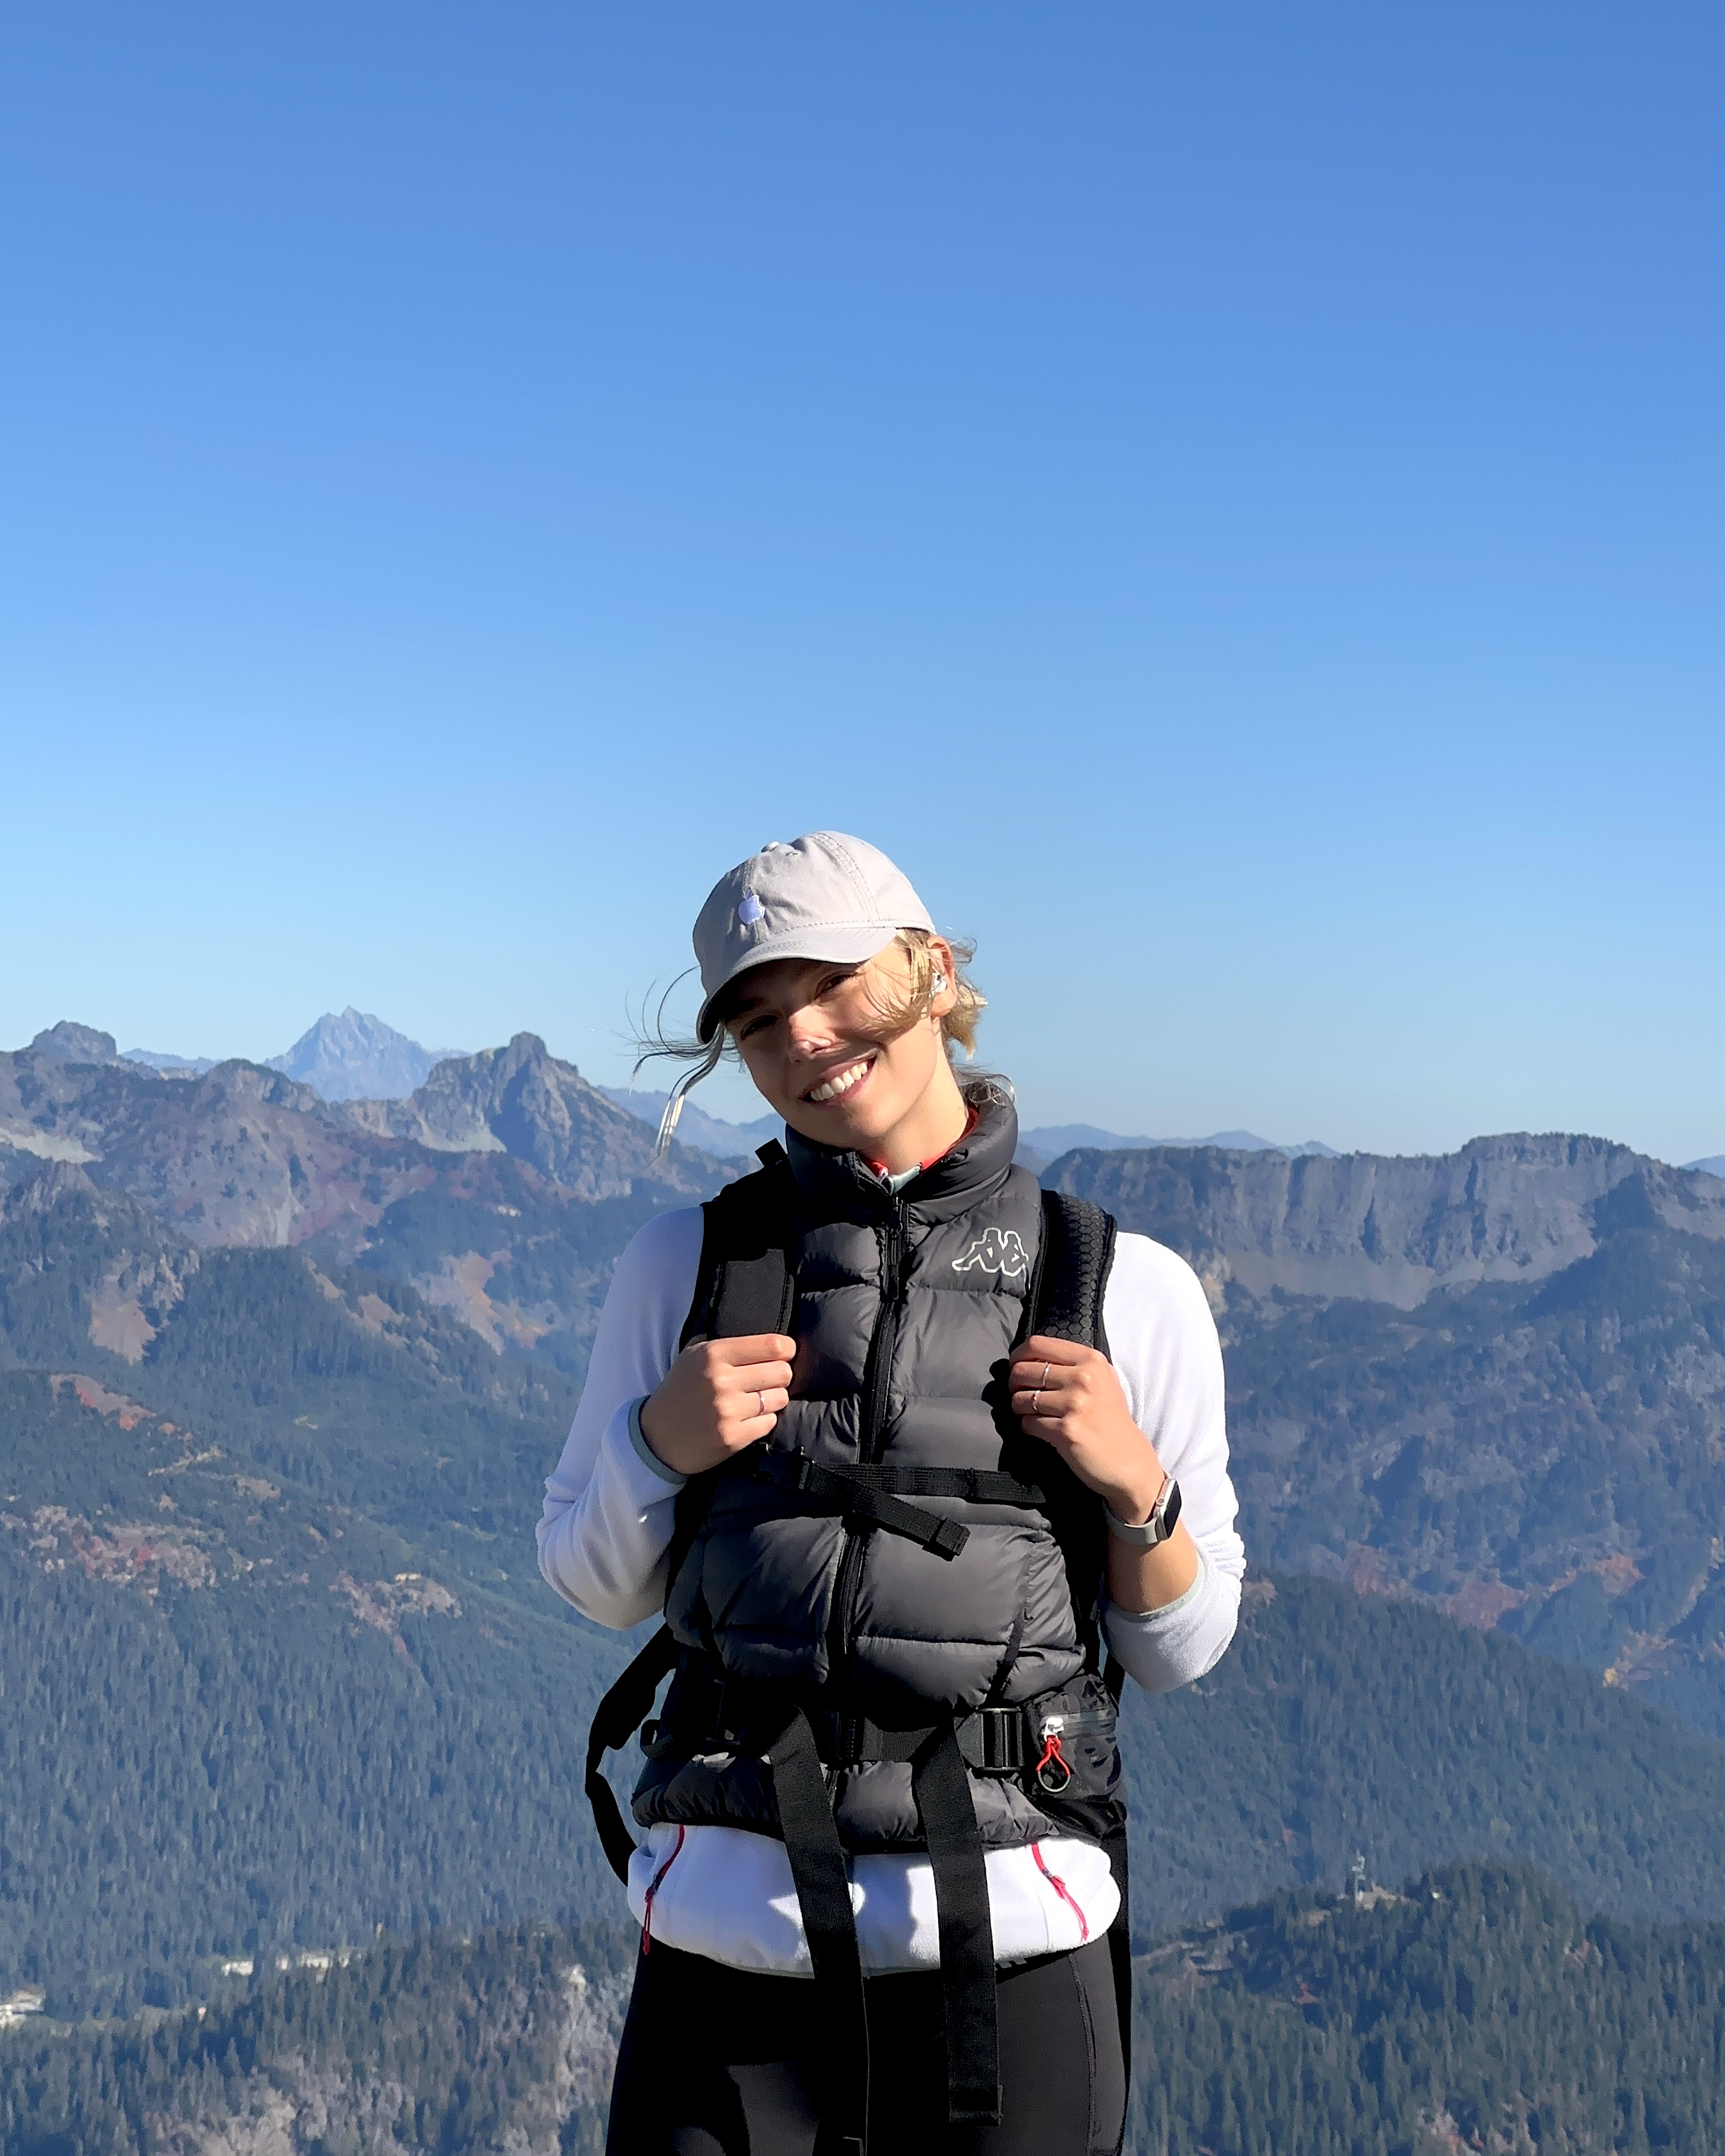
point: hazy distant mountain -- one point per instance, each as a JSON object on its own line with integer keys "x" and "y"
{"x": 1713, "y": 1166}
{"x": 70, "y": 1043}
{"x": 1048, "y": 1141}
{"x": 168, "y": 1065}
{"x": 696, "y": 1127}
{"x": 357, "y": 1057}
{"x": 1036, "y": 1148}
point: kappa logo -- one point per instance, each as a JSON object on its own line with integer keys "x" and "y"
{"x": 997, "y": 1250}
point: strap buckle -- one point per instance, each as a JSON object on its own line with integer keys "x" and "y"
{"x": 990, "y": 1741}
{"x": 948, "y": 1538}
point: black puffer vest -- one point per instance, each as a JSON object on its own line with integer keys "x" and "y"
{"x": 883, "y": 1623}
{"x": 905, "y": 1310}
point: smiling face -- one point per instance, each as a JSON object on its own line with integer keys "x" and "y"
{"x": 824, "y": 1049}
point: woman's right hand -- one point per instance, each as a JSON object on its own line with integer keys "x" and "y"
{"x": 717, "y": 1398}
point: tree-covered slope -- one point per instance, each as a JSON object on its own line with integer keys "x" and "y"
{"x": 519, "y": 1258}
{"x": 1337, "y": 1723}
{"x": 1478, "y": 2010}
{"x": 234, "y": 1720}
{"x": 351, "y": 1386}
{"x": 501, "y": 2042}
{"x": 237, "y": 1718}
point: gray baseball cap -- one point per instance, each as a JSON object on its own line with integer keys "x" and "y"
{"x": 821, "y": 897}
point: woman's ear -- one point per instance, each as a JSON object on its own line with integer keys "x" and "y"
{"x": 941, "y": 995}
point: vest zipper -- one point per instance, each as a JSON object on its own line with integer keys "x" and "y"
{"x": 877, "y": 1377}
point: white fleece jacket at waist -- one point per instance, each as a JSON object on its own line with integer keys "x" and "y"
{"x": 719, "y": 1891}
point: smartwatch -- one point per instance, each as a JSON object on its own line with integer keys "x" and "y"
{"x": 1164, "y": 1517}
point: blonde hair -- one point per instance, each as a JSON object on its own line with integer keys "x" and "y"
{"x": 958, "y": 1025}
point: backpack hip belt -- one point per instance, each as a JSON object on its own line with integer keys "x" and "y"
{"x": 707, "y": 1711}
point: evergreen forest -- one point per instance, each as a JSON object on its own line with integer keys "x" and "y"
{"x": 1478, "y": 2008}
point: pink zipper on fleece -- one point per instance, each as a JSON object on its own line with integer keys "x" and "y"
{"x": 1058, "y": 1886}
{"x": 647, "y": 1906}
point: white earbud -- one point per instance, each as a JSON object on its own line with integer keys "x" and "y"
{"x": 940, "y": 984}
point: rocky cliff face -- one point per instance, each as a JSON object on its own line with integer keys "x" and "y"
{"x": 1516, "y": 1208}
{"x": 522, "y": 1100}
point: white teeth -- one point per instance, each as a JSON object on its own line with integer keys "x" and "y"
{"x": 830, "y": 1089}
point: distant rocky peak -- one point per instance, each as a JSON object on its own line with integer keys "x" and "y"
{"x": 524, "y": 1101}
{"x": 68, "y": 1042}
{"x": 524, "y": 1049}
{"x": 353, "y": 1055}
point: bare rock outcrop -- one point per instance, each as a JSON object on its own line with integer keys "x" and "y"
{"x": 523, "y": 1100}
{"x": 1387, "y": 1229}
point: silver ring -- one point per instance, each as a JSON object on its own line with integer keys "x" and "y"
{"x": 761, "y": 1404}
{"x": 1035, "y": 1397}
{"x": 1046, "y": 1367}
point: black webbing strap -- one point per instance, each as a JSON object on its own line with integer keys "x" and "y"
{"x": 621, "y": 1713}
{"x": 976, "y": 1486}
{"x": 1119, "y": 1931}
{"x": 1119, "y": 1942}
{"x": 817, "y": 1859}
{"x": 967, "y": 1936}
{"x": 867, "y": 1505}
{"x": 1069, "y": 1286}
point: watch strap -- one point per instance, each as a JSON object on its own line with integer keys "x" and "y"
{"x": 1149, "y": 1534}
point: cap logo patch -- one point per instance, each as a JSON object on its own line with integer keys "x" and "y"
{"x": 751, "y": 910}
{"x": 995, "y": 1251}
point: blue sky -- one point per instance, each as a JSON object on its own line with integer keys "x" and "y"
{"x": 1230, "y": 497}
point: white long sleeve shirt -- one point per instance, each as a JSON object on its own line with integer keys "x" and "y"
{"x": 609, "y": 1508}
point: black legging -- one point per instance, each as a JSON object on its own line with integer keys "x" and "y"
{"x": 717, "y": 2061}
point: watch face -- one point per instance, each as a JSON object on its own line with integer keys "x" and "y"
{"x": 1170, "y": 1511}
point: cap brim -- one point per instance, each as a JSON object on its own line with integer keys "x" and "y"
{"x": 843, "y": 947}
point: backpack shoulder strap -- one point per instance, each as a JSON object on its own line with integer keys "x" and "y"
{"x": 1065, "y": 1302}
{"x": 748, "y": 1281}
{"x": 1072, "y": 1268}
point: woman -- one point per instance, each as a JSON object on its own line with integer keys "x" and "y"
{"x": 891, "y": 1525}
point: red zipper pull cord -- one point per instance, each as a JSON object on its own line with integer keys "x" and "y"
{"x": 1052, "y": 1756}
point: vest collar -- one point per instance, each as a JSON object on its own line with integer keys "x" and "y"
{"x": 842, "y": 1184}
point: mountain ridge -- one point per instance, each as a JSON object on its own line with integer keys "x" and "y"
{"x": 1383, "y": 1228}
{"x": 1051, "y": 1140}
{"x": 351, "y": 1055}
{"x": 245, "y": 1155}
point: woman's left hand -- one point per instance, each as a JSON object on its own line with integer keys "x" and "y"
{"x": 1071, "y": 1397}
